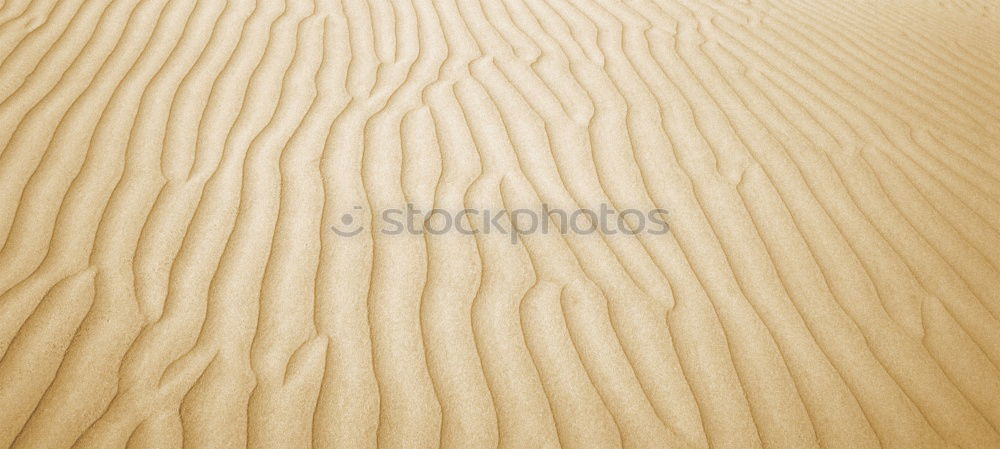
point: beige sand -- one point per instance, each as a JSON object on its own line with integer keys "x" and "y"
{"x": 172, "y": 173}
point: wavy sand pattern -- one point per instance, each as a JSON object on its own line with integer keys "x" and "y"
{"x": 171, "y": 171}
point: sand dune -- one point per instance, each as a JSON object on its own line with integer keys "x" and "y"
{"x": 193, "y": 198}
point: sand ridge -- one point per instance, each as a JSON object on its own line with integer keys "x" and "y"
{"x": 172, "y": 174}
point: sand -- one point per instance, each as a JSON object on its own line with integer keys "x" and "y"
{"x": 191, "y": 198}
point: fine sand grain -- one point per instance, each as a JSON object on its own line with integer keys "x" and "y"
{"x": 192, "y": 253}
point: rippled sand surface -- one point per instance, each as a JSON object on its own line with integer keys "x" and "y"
{"x": 176, "y": 176}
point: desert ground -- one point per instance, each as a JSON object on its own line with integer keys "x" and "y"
{"x": 192, "y": 200}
